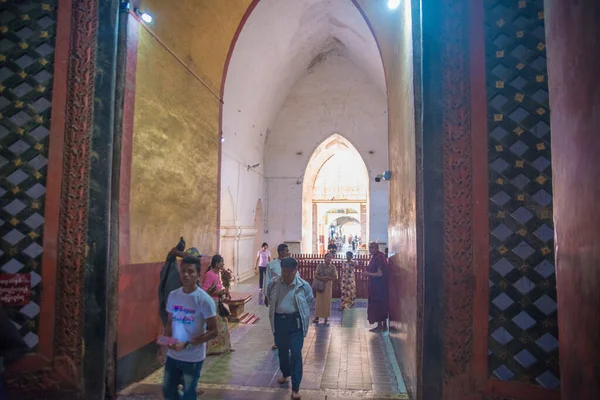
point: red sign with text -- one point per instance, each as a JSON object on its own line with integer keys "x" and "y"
{"x": 15, "y": 289}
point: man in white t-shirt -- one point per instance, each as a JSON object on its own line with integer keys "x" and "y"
{"x": 263, "y": 257}
{"x": 192, "y": 322}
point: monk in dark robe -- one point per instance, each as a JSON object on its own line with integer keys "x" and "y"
{"x": 377, "y": 309}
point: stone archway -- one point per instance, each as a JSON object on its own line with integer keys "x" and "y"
{"x": 359, "y": 193}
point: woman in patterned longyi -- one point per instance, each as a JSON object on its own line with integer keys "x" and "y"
{"x": 348, "y": 285}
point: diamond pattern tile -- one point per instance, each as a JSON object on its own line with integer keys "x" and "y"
{"x": 521, "y": 181}
{"x": 524, "y": 285}
{"x": 525, "y": 358}
{"x": 4, "y": 102}
{"x": 501, "y": 198}
{"x": 522, "y": 279}
{"x": 522, "y": 53}
{"x": 17, "y": 177}
{"x": 545, "y": 269}
{"x": 38, "y": 162}
{"x": 523, "y": 250}
{"x": 498, "y": 102}
{"x": 524, "y": 320}
{"x": 519, "y": 148}
{"x": 499, "y": 165}
{"x": 39, "y": 133}
{"x": 41, "y": 105}
{"x": 34, "y": 221}
{"x": 27, "y": 46}
{"x": 541, "y": 129}
{"x": 503, "y": 301}
{"x": 503, "y": 266}
{"x": 33, "y": 250}
{"x": 499, "y": 133}
{"x": 522, "y": 215}
{"x": 14, "y": 207}
{"x": 20, "y": 118}
{"x": 547, "y": 343}
{"x": 542, "y": 197}
{"x": 45, "y": 22}
{"x": 541, "y": 163}
{"x": 546, "y": 305}
{"x": 36, "y": 191}
{"x": 502, "y": 232}
{"x": 12, "y": 267}
{"x": 548, "y": 380}
{"x": 540, "y": 96}
{"x": 13, "y": 237}
{"x": 19, "y": 147}
{"x": 502, "y": 336}
{"x": 35, "y": 279}
{"x": 31, "y": 310}
{"x": 43, "y": 76}
{"x": 518, "y": 83}
{"x": 503, "y": 373}
{"x": 539, "y": 64}
{"x": 22, "y": 89}
{"x": 544, "y": 233}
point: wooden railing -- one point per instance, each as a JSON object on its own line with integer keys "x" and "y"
{"x": 307, "y": 265}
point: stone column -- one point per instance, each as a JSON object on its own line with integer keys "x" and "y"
{"x": 572, "y": 32}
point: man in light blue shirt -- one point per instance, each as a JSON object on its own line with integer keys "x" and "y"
{"x": 289, "y": 298}
{"x": 274, "y": 270}
{"x": 274, "y": 267}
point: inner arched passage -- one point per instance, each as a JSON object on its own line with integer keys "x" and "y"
{"x": 298, "y": 72}
{"x": 335, "y": 185}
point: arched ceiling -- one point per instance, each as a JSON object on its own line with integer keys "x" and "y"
{"x": 280, "y": 43}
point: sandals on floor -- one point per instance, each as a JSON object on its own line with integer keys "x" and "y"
{"x": 296, "y": 396}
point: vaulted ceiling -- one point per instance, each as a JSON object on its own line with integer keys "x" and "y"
{"x": 279, "y": 44}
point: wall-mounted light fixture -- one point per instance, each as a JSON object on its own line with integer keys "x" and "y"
{"x": 252, "y": 167}
{"x": 222, "y": 139}
{"x": 147, "y": 18}
{"x": 393, "y": 4}
{"x": 383, "y": 177}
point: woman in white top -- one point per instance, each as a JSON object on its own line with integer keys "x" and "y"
{"x": 263, "y": 257}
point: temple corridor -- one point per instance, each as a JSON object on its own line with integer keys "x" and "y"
{"x": 458, "y": 136}
{"x": 341, "y": 360}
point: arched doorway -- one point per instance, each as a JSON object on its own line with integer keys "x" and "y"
{"x": 335, "y": 185}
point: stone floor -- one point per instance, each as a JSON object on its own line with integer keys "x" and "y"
{"x": 341, "y": 360}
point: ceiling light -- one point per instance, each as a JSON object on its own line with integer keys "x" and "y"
{"x": 393, "y": 4}
{"x": 147, "y": 18}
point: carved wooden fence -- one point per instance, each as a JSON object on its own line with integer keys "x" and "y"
{"x": 307, "y": 265}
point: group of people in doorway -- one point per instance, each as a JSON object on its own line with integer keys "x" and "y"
{"x": 191, "y": 298}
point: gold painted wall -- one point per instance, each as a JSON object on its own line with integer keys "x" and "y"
{"x": 173, "y": 194}
{"x": 198, "y": 31}
{"x": 175, "y": 157}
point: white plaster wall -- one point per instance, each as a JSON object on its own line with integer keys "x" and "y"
{"x": 335, "y": 96}
{"x": 240, "y": 191}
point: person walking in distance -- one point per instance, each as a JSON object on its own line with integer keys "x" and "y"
{"x": 290, "y": 298}
{"x": 263, "y": 258}
{"x": 190, "y": 309}
{"x": 274, "y": 270}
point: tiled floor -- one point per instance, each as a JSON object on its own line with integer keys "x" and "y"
{"x": 342, "y": 359}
